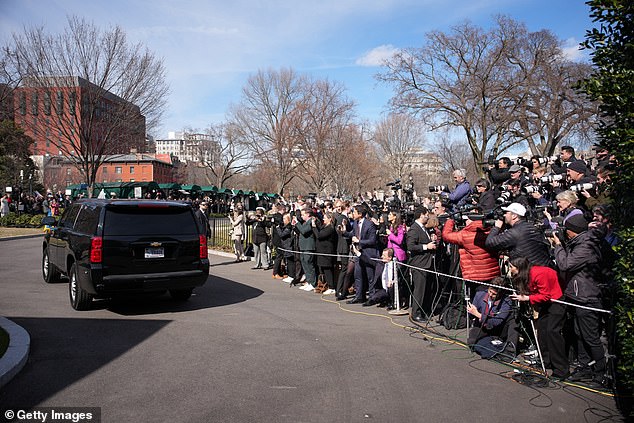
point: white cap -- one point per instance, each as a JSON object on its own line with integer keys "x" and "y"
{"x": 516, "y": 208}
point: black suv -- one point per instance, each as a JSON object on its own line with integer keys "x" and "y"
{"x": 110, "y": 247}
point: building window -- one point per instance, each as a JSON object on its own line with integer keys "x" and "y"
{"x": 60, "y": 102}
{"x": 117, "y": 170}
{"x": 118, "y": 180}
{"x": 34, "y": 101}
{"x": 47, "y": 103}
{"x": 72, "y": 99}
{"x": 69, "y": 171}
{"x": 131, "y": 180}
{"x": 105, "y": 170}
{"x": 131, "y": 169}
{"x": 23, "y": 104}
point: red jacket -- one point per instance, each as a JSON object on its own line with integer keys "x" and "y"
{"x": 476, "y": 263}
{"x": 543, "y": 285}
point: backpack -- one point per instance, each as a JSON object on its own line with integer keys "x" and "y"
{"x": 454, "y": 316}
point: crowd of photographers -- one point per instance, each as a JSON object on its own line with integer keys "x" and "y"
{"x": 528, "y": 249}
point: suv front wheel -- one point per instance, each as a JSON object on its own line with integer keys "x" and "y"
{"x": 49, "y": 271}
{"x": 79, "y": 299}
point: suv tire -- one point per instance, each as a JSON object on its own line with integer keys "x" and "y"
{"x": 79, "y": 299}
{"x": 50, "y": 273}
{"x": 181, "y": 294}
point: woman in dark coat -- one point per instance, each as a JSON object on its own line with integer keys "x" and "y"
{"x": 286, "y": 236}
{"x": 326, "y": 247}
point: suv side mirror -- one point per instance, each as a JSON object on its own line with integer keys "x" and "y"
{"x": 49, "y": 221}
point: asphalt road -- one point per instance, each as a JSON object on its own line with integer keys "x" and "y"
{"x": 247, "y": 348}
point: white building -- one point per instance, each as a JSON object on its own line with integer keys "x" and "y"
{"x": 188, "y": 146}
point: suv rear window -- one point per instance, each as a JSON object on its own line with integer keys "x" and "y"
{"x": 149, "y": 221}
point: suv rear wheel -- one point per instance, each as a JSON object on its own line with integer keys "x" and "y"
{"x": 49, "y": 271}
{"x": 181, "y": 294}
{"x": 79, "y": 299}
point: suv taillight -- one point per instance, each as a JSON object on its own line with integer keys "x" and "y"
{"x": 96, "y": 244}
{"x": 203, "y": 246}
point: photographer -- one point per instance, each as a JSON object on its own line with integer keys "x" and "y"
{"x": 491, "y": 309}
{"x": 277, "y": 220}
{"x": 476, "y": 262}
{"x": 521, "y": 239}
{"x": 538, "y": 285}
{"x": 500, "y": 174}
{"x": 485, "y": 197}
{"x": 458, "y": 197}
{"x": 260, "y": 238}
{"x": 567, "y": 205}
{"x": 579, "y": 260}
{"x": 566, "y": 157}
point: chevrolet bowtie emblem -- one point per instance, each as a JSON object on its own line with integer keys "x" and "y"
{"x": 155, "y": 244}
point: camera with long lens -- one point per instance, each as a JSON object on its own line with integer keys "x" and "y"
{"x": 490, "y": 162}
{"x": 488, "y": 220}
{"x": 581, "y": 187}
{"x": 555, "y": 233}
{"x": 438, "y": 188}
{"x": 521, "y": 161}
{"x": 549, "y": 179}
{"x": 530, "y": 189}
{"x": 505, "y": 197}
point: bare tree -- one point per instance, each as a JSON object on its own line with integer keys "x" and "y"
{"x": 227, "y": 155}
{"x": 114, "y": 90}
{"x": 353, "y": 166}
{"x": 459, "y": 79}
{"x": 502, "y": 87}
{"x": 550, "y": 108}
{"x": 267, "y": 118}
{"x": 324, "y": 112}
{"x": 397, "y": 137}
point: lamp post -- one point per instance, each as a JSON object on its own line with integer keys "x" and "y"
{"x": 20, "y": 206}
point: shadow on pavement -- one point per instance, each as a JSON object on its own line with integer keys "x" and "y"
{"x": 64, "y": 351}
{"x": 216, "y": 292}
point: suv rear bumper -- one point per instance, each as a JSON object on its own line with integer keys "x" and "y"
{"x": 144, "y": 282}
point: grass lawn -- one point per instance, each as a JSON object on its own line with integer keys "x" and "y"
{"x": 7, "y": 232}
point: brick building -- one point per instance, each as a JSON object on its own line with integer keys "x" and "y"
{"x": 54, "y": 112}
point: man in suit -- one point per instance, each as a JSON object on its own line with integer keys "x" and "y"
{"x": 203, "y": 220}
{"x": 364, "y": 238}
{"x": 421, "y": 250}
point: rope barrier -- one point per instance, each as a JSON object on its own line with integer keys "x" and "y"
{"x": 450, "y": 276}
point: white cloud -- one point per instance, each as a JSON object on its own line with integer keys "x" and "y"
{"x": 377, "y": 56}
{"x": 571, "y": 51}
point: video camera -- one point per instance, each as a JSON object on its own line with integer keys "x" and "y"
{"x": 396, "y": 184}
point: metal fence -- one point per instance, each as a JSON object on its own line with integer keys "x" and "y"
{"x": 220, "y": 236}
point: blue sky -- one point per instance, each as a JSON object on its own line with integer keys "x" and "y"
{"x": 210, "y": 48}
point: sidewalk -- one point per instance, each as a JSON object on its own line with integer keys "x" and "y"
{"x": 17, "y": 353}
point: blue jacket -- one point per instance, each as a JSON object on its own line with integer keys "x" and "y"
{"x": 493, "y": 316}
{"x": 459, "y": 195}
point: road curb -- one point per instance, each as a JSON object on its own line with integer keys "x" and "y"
{"x": 11, "y": 238}
{"x": 17, "y": 354}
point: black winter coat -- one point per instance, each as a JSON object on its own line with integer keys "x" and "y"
{"x": 326, "y": 243}
{"x": 580, "y": 265}
{"x": 285, "y": 232}
{"x": 521, "y": 240}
